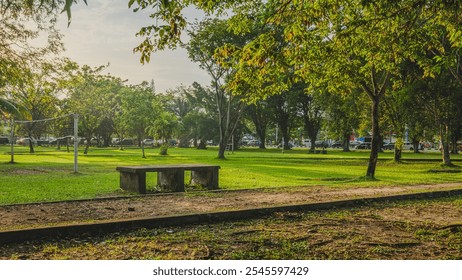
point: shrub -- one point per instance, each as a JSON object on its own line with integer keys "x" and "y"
{"x": 163, "y": 149}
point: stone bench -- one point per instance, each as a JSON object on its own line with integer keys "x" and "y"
{"x": 170, "y": 178}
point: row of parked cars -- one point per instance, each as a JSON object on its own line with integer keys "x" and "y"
{"x": 363, "y": 145}
{"x": 386, "y": 146}
{"x": 25, "y": 141}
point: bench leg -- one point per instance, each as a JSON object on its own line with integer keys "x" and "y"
{"x": 133, "y": 182}
{"x": 205, "y": 178}
{"x": 171, "y": 181}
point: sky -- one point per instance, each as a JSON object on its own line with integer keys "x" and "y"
{"x": 104, "y": 32}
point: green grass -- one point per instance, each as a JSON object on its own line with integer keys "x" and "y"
{"x": 47, "y": 175}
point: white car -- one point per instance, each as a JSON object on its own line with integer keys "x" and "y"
{"x": 408, "y": 146}
{"x": 148, "y": 142}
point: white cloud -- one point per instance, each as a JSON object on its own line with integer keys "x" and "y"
{"x": 104, "y": 31}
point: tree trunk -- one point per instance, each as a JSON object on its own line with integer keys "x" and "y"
{"x": 398, "y": 148}
{"x": 397, "y": 154}
{"x": 311, "y": 127}
{"x": 285, "y": 135}
{"x": 222, "y": 144}
{"x": 87, "y": 146}
{"x": 107, "y": 141}
{"x": 221, "y": 149}
{"x": 454, "y": 149}
{"x": 446, "y": 154}
{"x": 416, "y": 145}
{"x": 261, "y": 132}
{"x": 262, "y": 142}
{"x": 346, "y": 142}
{"x": 260, "y": 125}
{"x": 31, "y": 146}
{"x": 313, "y": 142}
{"x": 444, "y": 135}
{"x": 376, "y": 139}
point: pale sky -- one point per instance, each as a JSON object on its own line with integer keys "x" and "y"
{"x": 104, "y": 32}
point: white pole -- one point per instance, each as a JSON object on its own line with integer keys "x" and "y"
{"x": 12, "y": 140}
{"x": 76, "y": 142}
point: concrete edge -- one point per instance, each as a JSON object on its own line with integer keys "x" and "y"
{"x": 105, "y": 227}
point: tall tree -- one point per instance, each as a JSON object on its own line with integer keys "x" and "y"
{"x": 206, "y": 38}
{"x": 442, "y": 99}
{"x": 21, "y": 23}
{"x": 283, "y": 109}
{"x": 91, "y": 95}
{"x": 342, "y": 114}
{"x": 194, "y": 108}
{"x": 260, "y": 114}
{"x": 39, "y": 95}
{"x": 311, "y": 113}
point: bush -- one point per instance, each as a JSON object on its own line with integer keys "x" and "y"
{"x": 163, "y": 149}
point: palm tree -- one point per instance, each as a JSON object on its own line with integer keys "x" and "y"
{"x": 10, "y": 108}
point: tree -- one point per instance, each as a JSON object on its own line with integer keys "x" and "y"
{"x": 283, "y": 112}
{"x": 194, "y": 108}
{"x": 206, "y": 38}
{"x": 442, "y": 99}
{"x": 9, "y": 108}
{"x": 311, "y": 114}
{"x": 260, "y": 115}
{"x": 342, "y": 114}
{"x": 39, "y": 96}
{"x": 140, "y": 108}
{"x": 22, "y": 22}
{"x": 91, "y": 95}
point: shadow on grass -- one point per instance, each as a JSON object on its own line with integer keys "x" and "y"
{"x": 446, "y": 168}
{"x": 364, "y": 179}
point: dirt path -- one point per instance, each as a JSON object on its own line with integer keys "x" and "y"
{"x": 34, "y": 215}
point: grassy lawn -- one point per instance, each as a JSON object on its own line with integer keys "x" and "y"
{"x": 47, "y": 175}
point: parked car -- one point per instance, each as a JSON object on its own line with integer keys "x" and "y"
{"x": 126, "y": 142}
{"x": 354, "y": 143}
{"x": 321, "y": 144}
{"x": 42, "y": 142}
{"x": 364, "y": 146}
{"x": 389, "y": 146}
{"x": 4, "y": 140}
{"x": 337, "y": 145}
{"x": 62, "y": 141}
{"x": 408, "y": 146}
{"x": 149, "y": 142}
{"x": 254, "y": 143}
{"x": 25, "y": 141}
{"x": 307, "y": 143}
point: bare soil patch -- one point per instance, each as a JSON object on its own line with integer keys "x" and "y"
{"x": 43, "y": 214}
{"x": 417, "y": 230}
